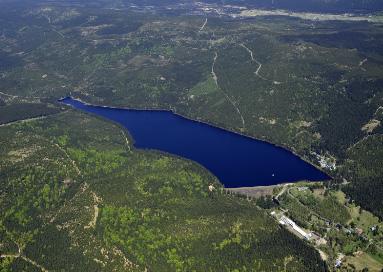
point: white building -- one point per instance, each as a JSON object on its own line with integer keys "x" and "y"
{"x": 287, "y": 221}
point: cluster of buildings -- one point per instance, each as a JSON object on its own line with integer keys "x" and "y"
{"x": 312, "y": 236}
{"x": 325, "y": 162}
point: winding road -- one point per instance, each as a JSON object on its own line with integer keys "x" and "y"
{"x": 259, "y": 65}
{"x": 204, "y": 24}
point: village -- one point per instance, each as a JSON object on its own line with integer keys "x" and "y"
{"x": 346, "y": 237}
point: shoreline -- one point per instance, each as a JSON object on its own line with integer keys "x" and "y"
{"x": 285, "y": 148}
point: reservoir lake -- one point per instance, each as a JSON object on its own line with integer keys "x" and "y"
{"x": 236, "y": 160}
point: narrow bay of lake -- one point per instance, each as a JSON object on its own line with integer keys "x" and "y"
{"x": 236, "y": 160}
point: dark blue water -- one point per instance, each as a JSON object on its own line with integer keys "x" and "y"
{"x": 236, "y": 160}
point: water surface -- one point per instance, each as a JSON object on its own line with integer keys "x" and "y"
{"x": 236, "y": 160}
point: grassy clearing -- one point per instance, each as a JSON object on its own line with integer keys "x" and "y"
{"x": 362, "y": 261}
{"x": 206, "y": 87}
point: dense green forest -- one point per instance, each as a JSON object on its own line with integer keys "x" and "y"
{"x": 22, "y": 111}
{"x": 364, "y": 169}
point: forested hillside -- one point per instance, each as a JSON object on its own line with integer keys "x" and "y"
{"x": 77, "y": 198}
{"x": 365, "y": 172}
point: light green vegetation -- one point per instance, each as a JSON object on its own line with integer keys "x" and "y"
{"x": 205, "y": 87}
{"x": 327, "y": 206}
{"x": 363, "y": 261}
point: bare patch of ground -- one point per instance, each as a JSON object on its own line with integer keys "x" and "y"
{"x": 97, "y": 200}
{"x": 86, "y": 31}
{"x": 304, "y": 124}
{"x": 270, "y": 121}
{"x": 254, "y": 192}
{"x": 21, "y": 154}
{"x": 323, "y": 255}
{"x": 319, "y": 193}
{"x": 370, "y": 126}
